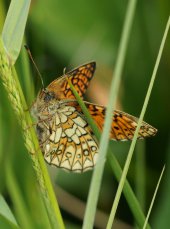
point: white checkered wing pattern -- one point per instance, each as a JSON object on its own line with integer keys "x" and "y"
{"x": 67, "y": 141}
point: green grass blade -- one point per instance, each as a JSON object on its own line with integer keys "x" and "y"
{"x": 140, "y": 178}
{"x": 130, "y": 154}
{"x": 117, "y": 171}
{"x": 6, "y": 211}
{"x": 153, "y": 199}
{"x": 13, "y": 31}
{"x": 1, "y": 135}
{"x": 17, "y": 199}
{"x": 98, "y": 171}
{"x": 128, "y": 192}
{"x": 161, "y": 212}
{"x": 6, "y": 224}
{"x": 117, "y": 75}
{"x": 2, "y": 14}
{"x": 24, "y": 70}
{"x": 32, "y": 145}
{"x": 9, "y": 49}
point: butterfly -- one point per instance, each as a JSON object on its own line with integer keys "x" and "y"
{"x": 65, "y": 138}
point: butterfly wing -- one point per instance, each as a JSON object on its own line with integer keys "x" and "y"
{"x": 67, "y": 140}
{"x": 80, "y": 77}
{"x": 123, "y": 125}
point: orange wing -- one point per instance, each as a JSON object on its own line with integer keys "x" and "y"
{"x": 80, "y": 78}
{"x": 123, "y": 125}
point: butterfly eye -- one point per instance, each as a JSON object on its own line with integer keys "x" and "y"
{"x": 48, "y": 96}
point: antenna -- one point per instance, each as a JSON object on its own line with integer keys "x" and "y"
{"x": 30, "y": 56}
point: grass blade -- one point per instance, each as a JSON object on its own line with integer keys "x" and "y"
{"x": 13, "y": 31}
{"x": 117, "y": 171}
{"x": 130, "y": 154}
{"x": 98, "y": 171}
{"x": 128, "y": 192}
{"x": 6, "y": 211}
{"x": 5, "y": 223}
{"x": 8, "y": 55}
{"x": 24, "y": 69}
{"x": 16, "y": 196}
{"x": 140, "y": 178}
{"x": 39, "y": 165}
{"x": 153, "y": 199}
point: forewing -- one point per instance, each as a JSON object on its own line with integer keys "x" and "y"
{"x": 80, "y": 77}
{"x": 69, "y": 142}
{"x": 123, "y": 125}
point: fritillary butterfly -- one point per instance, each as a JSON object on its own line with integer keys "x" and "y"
{"x": 66, "y": 139}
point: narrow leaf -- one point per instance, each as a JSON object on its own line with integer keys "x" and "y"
{"x": 6, "y": 224}
{"x": 153, "y": 199}
{"x": 6, "y": 211}
{"x": 98, "y": 171}
{"x": 13, "y": 31}
{"x": 130, "y": 154}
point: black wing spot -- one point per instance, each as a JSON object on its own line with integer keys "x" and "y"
{"x": 50, "y": 129}
{"x": 116, "y": 127}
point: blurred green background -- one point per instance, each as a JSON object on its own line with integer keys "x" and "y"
{"x": 69, "y": 33}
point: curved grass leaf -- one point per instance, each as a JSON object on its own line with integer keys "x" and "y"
{"x": 6, "y": 211}
{"x": 6, "y": 224}
{"x": 13, "y": 31}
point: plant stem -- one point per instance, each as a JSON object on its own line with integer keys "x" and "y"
{"x": 15, "y": 94}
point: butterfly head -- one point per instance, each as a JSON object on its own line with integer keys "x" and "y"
{"x": 44, "y": 100}
{"x": 46, "y": 96}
